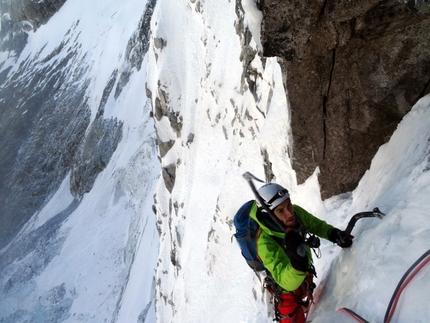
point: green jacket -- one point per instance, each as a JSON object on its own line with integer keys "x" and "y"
{"x": 272, "y": 254}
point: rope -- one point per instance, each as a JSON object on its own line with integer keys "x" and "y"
{"x": 404, "y": 281}
{"x": 352, "y": 314}
{"x": 407, "y": 277}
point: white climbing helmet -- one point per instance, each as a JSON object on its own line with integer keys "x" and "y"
{"x": 273, "y": 195}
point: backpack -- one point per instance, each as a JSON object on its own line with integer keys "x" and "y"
{"x": 246, "y": 231}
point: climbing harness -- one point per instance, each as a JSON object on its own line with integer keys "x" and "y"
{"x": 303, "y": 299}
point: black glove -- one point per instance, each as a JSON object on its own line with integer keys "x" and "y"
{"x": 292, "y": 241}
{"x": 340, "y": 237}
{"x": 298, "y": 262}
{"x": 313, "y": 242}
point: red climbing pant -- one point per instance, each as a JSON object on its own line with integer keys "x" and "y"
{"x": 289, "y": 309}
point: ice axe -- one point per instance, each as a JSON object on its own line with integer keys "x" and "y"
{"x": 249, "y": 177}
{"x": 376, "y": 213}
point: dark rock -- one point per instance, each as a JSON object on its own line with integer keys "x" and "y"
{"x": 137, "y": 47}
{"x": 164, "y": 147}
{"x": 94, "y": 154}
{"x": 190, "y": 139}
{"x": 355, "y": 68}
{"x": 159, "y": 43}
{"x": 30, "y": 15}
{"x": 169, "y": 176}
{"x": 176, "y": 122}
{"x": 161, "y": 108}
{"x": 106, "y": 92}
{"x": 269, "y": 176}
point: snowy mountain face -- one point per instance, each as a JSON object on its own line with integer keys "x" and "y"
{"x": 126, "y": 128}
{"x": 59, "y": 133}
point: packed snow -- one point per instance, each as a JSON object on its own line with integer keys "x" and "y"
{"x": 121, "y": 262}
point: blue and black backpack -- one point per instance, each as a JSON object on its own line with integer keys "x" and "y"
{"x": 246, "y": 232}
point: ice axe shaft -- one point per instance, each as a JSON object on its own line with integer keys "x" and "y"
{"x": 376, "y": 213}
{"x": 249, "y": 177}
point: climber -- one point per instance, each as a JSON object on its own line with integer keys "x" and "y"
{"x": 286, "y": 234}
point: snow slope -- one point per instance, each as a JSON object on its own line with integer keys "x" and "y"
{"x": 398, "y": 181}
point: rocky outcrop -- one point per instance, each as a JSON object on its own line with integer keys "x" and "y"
{"x": 94, "y": 154}
{"x": 16, "y": 19}
{"x": 354, "y": 69}
{"x": 29, "y": 14}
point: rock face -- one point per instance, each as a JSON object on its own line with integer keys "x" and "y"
{"x": 16, "y": 19}
{"x": 31, "y": 14}
{"x": 354, "y": 69}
